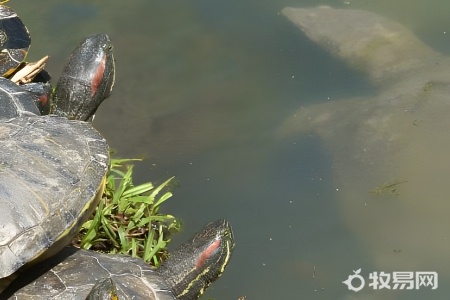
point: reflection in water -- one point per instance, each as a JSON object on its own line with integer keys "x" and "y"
{"x": 397, "y": 137}
{"x": 201, "y": 90}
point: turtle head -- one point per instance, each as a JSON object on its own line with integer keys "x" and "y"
{"x": 87, "y": 79}
{"x": 194, "y": 265}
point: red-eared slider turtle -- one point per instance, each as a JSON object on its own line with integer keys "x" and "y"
{"x": 51, "y": 175}
{"x": 14, "y": 41}
{"x": 52, "y": 172}
{"x": 80, "y": 274}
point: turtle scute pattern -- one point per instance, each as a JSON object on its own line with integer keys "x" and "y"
{"x": 50, "y": 168}
{"x": 131, "y": 278}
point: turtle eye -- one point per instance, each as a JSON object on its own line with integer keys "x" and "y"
{"x": 108, "y": 47}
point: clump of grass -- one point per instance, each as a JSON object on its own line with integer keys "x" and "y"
{"x": 127, "y": 219}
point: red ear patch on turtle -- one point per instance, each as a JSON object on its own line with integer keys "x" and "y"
{"x": 207, "y": 253}
{"x": 43, "y": 100}
{"x": 98, "y": 76}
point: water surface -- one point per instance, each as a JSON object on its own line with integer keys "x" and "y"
{"x": 201, "y": 89}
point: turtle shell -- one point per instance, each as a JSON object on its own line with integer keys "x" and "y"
{"x": 15, "y": 41}
{"x": 15, "y": 101}
{"x": 83, "y": 274}
{"x": 51, "y": 177}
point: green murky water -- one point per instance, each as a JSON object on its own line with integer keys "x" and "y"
{"x": 201, "y": 90}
